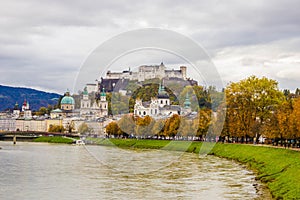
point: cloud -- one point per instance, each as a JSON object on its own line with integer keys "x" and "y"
{"x": 39, "y": 37}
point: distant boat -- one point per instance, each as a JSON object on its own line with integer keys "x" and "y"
{"x": 80, "y": 142}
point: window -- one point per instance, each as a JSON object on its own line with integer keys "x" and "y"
{"x": 144, "y": 113}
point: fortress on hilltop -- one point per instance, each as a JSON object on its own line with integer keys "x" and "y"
{"x": 149, "y": 72}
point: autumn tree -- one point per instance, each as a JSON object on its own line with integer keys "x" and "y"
{"x": 144, "y": 126}
{"x": 84, "y": 128}
{"x": 56, "y": 128}
{"x": 202, "y": 122}
{"x": 112, "y": 128}
{"x": 172, "y": 125}
{"x": 294, "y": 121}
{"x": 252, "y": 102}
{"x": 158, "y": 127}
{"x": 186, "y": 128}
{"x": 127, "y": 124}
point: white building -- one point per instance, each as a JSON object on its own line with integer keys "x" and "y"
{"x": 160, "y": 106}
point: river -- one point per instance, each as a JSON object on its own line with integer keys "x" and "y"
{"x": 51, "y": 171}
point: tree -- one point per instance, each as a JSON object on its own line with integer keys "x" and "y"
{"x": 294, "y": 121}
{"x": 186, "y": 128}
{"x": 127, "y": 124}
{"x": 84, "y": 128}
{"x": 172, "y": 125}
{"x": 56, "y": 128}
{"x": 158, "y": 127}
{"x": 112, "y": 128}
{"x": 251, "y": 102}
{"x": 202, "y": 122}
{"x": 283, "y": 118}
{"x": 144, "y": 126}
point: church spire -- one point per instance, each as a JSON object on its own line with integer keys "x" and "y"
{"x": 187, "y": 102}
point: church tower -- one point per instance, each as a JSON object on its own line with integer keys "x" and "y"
{"x": 26, "y": 110}
{"x": 103, "y": 104}
{"x": 85, "y": 101}
{"x": 16, "y": 112}
{"x": 163, "y": 97}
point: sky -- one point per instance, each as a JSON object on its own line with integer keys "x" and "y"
{"x": 44, "y": 43}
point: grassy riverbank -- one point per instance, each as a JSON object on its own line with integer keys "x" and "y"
{"x": 54, "y": 139}
{"x": 278, "y": 168}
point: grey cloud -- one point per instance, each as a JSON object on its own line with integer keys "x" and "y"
{"x": 214, "y": 24}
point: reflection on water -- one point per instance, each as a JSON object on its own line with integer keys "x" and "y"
{"x": 45, "y": 171}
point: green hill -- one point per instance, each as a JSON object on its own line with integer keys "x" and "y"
{"x": 10, "y": 95}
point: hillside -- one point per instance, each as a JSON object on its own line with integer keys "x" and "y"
{"x": 10, "y": 95}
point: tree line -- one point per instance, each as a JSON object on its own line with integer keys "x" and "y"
{"x": 243, "y": 112}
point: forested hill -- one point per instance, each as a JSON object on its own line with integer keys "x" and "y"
{"x": 10, "y": 95}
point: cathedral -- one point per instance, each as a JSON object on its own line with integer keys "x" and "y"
{"x": 93, "y": 110}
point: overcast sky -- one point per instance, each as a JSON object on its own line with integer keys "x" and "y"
{"x": 43, "y": 43}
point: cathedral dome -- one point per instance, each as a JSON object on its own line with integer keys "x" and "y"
{"x": 67, "y": 100}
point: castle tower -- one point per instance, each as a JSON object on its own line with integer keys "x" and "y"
{"x": 183, "y": 72}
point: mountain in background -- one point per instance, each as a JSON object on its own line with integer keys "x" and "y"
{"x": 10, "y": 95}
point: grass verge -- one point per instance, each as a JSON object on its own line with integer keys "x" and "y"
{"x": 54, "y": 139}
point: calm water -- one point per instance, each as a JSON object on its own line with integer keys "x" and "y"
{"x": 45, "y": 171}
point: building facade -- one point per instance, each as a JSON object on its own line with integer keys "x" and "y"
{"x": 96, "y": 109}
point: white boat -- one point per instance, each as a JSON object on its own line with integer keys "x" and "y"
{"x": 80, "y": 142}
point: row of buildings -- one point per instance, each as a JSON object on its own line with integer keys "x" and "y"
{"x": 93, "y": 107}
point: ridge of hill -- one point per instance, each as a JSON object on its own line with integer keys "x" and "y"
{"x": 9, "y": 96}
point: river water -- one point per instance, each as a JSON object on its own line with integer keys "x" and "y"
{"x": 48, "y": 171}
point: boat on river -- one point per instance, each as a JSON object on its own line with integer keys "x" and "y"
{"x": 80, "y": 142}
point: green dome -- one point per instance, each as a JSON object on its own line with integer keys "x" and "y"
{"x": 67, "y": 100}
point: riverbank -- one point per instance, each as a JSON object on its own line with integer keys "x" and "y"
{"x": 54, "y": 139}
{"x": 277, "y": 168}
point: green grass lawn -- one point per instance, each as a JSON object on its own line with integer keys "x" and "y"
{"x": 54, "y": 139}
{"x": 279, "y": 169}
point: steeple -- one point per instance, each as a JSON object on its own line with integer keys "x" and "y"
{"x": 162, "y": 92}
{"x": 187, "y": 102}
{"x": 85, "y": 92}
{"x": 103, "y": 95}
